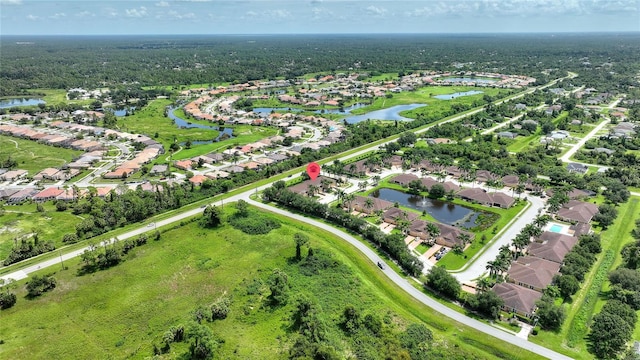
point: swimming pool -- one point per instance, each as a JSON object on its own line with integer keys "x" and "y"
{"x": 556, "y": 228}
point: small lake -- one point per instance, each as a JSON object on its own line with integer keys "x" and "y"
{"x": 123, "y": 111}
{"x": 457, "y": 95}
{"x": 7, "y": 103}
{"x": 183, "y": 124}
{"x": 392, "y": 113}
{"x": 470, "y": 79}
{"x": 442, "y": 211}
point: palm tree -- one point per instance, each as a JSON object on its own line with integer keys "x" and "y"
{"x": 311, "y": 190}
{"x": 531, "y": 230}
{"x": 493, "y": 267}
{"x": 340, "y": 194}
{"x": 519, "y": 189}
{"x": 348, "y": 199}
{"x": 362, "y": 185}
{"x": 520, "y": 242}
{"x": 368, "y": 204}
{"x": 325, "y": 184}
{"x": 433, "y": 231}
{"x": 375, "y": 179}
{"x": 483, "y": 284}
{"x": 403, "y": 226}
{"x": 541, "y": 221}
{"x": 465, "y": 238}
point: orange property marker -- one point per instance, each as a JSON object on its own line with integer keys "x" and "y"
{"x": 313, "y": 170}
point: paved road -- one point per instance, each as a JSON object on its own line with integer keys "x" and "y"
{"x": 477, "y": 265}
{"x": 567, "y": 156}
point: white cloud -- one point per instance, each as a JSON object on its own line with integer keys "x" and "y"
{"x": 179, "y": 15}
{"x": 251, "y": 14}
{"x": 279, "y": 13}
{"x": 33, "y": 17}
{"x": 58, "y": 16}
{"x": 162, "y": 4}
{"x": 110, "y": 12}
{"x": 136, "y": 13}
{"x": 85, "y": 14}
{"x": 10, "y": 2}
{"x": 319, "y": 12}
{"x": 376, "y": 11}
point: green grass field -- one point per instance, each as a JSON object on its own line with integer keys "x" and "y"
{"x": 120, "y": 312}
{"x": 151, "y": 120}
{"x": 57, "y": 96}
{"x": 425, "y": 96}
{"x": 24, "y": 219}
{"x": 33, "y": 156}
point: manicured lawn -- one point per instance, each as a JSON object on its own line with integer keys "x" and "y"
{"x": 453, "y": 261}
{"x": 121, "y": 311}
{"x": 244, "y": 134}
{"x": 57, "y": 96}
{"x": 33, "y": 156}
{"x": 425, "y": 96}
{"x": 24, "y": 219}
{"x": 523, "y": 142}
{"x": 571, "y": 339}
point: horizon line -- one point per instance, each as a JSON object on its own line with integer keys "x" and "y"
{"x": 346, "y": 33}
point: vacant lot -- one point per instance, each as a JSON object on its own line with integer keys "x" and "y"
{"x": 20, "y": 221}
{"x": 33, "y": 156}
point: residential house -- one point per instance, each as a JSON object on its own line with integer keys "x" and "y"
{"x": 517, "y": 299}
{"x": 532, "y": 272}
{"x": 394, "y": 214}
{"x": 507, "y": 135}
{"x": 47, "y": 194}
{"x": 359, "y": 203}
{"x": 552, "y": 246}
{"x": 21, "y": 196}
{"x": 488, "y": 199}
{"x": 184, "y": 164}
{"x": 448, "y": 235}
{"x": 13, "y": 175}
{"x": 303, "y": 187}
{"x": 404, "y": 179}
{"x": 576, "y": 167}
{"x": 159, "y": 169}
{"x": 198, "y": 179}
{"x": 577, "y": 211}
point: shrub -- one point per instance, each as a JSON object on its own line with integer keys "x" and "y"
{"x": 254, "y": 223}
{"x": 40, "y": 284}
{"x": 7, "y": 300}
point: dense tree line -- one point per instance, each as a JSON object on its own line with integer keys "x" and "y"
{"x": 604, "y": 61}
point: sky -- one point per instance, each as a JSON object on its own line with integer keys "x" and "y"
{"x": 98, "y": 17}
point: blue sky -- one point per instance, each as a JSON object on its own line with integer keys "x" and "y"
{"x": 89, "y": 17}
